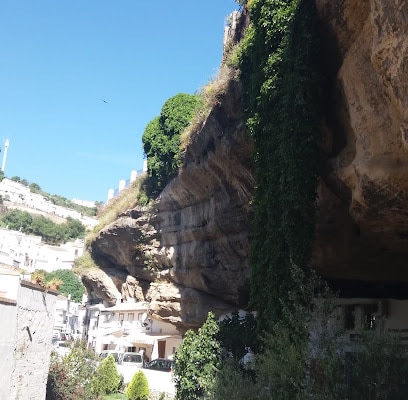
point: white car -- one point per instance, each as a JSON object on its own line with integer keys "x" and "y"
{"x": 132, "y": 359}
{"x": 117, "y": 355}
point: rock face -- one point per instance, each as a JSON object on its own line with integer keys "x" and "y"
{"x": 195, "y": 240}
{"x": 189, "y": 253}
{"x": 363, "y": 225}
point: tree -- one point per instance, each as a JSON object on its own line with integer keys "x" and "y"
{"x": 74, "y": 229}
{"x": 17, "y": 220}
{"x": 69, "y": 377}
{"x": 35, "y": 188}
{"x": 71, "y": 283}
{"x": 138, "y": 388}
{"x": 51, "y": 232}
{"x": 197, "y": 360}
{"x": 106, "y": 379}
{"x": 236, "y": 333}
{"x": 161, "y": 139}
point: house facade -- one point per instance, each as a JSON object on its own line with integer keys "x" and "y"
{"x": 68, "y": 318}
{"x": 28, "y": 252}
{"x": 374, "y": 314}
{"x": 130, "y": 327}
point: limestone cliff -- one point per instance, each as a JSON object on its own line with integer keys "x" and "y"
{"x": 189, "y": 253}
{"x": 363, "y": 225}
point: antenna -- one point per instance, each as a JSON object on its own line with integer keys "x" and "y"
{"x": 6, "y": 145}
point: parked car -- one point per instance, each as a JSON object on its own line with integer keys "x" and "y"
{"x": 117, "y": 355}
{"x": 132, "y": 359}
{"x": 160, "y": 364}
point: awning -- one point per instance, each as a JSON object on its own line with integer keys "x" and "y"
{"x": 142, "y": 338}
{"x": 123, "y": 342}
{"x": 109, "y": 339}
{"x": 100, "y": 333}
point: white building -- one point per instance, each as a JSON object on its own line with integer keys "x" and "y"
{"x": 68, "y": 318}
{"x": 130, "y": 327}
{"x": 30, "y": 253}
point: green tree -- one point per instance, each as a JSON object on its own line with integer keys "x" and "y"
{"x": 161, "y": 139}
{"x": 138, "y": 388}
{"x": 17, "y": 220}
{"x": 35, "y": 188}
{"x": 106, "y": 379}
{"x": 197, "y": 360}
{"x": 71, "y": 283}
{"x": 74, "y": 229}
{"x": 15, "y": 178}
{"x": 236, "y": 333}
{"x": 51, "y": 232}
{"x": 69, "y": 378}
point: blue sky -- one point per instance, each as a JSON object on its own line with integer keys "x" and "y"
{"x": 61, "y": 58}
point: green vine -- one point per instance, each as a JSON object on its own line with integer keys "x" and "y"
{"x": 279, "y": 63}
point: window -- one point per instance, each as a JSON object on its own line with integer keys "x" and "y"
{"x": 131, "y": 317}
{"x": 121, "y": 318}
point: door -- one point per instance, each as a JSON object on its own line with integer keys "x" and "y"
{"x": 161, "y": 346}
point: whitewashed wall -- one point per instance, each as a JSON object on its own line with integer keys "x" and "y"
{"x": 28, "y": 333}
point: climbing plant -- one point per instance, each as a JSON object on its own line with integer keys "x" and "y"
{"x": 282, "y": 81}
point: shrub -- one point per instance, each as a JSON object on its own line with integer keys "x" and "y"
{"x": 196, "y": 361}
{"x": 107, "y": 379}
{"x": 68, "y": 378}
{"x": 138, "y": 388}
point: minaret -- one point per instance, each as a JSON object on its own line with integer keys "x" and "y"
{"x": 6, "y": 145}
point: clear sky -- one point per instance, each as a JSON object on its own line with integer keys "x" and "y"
{"x": 62, "y": 59}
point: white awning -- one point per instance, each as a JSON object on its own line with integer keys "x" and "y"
{"x": 109, "y": 339}
{"x": 142, "y": 338}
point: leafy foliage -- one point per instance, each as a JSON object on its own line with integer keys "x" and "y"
{"x": 161, "y": 140}
{"x": 279, "y": 61}
{"x": 138, "y": 388}
{"x": 197, "y": 360}
{"x": 51, "y": 232}
{"x": 106, "y": 379}
{"x": 236, "y": 333}
{"x": 69, "y": 378}
{"x": 71, "y": 283}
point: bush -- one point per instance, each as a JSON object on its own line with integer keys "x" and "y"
{"x": 138, "y": 388}
{"x": 196, "y": 361}
{"x": 107, "y": 379}
{"x": 69, "y": 378}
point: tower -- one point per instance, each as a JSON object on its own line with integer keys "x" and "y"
{"x": 6, "y": 145}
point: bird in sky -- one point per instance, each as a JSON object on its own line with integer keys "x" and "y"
{"x": 104, "y": 101}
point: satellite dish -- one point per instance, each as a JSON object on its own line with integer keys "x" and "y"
{"x": 144, "y": 316}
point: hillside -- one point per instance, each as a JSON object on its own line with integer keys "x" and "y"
{"x": 16, "y": 195}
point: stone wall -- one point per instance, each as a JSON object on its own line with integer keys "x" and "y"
{"x": 26, "y": 333}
